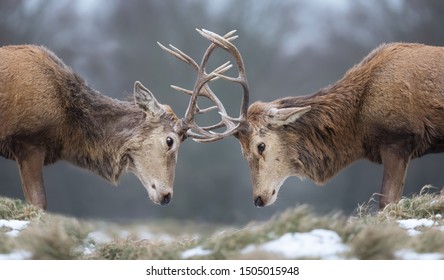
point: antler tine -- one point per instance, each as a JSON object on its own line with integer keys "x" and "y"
{"x": 242, "y": 77}
{"x": 214, "y": 126}
{"x": 206, "y": 110}
{"x": 204, "y": 134}
{"x": 217, "y": 136}
{"x": 179, "y": 89}
{"x": 216, "y": 73}
{"x": 179, "y": 55}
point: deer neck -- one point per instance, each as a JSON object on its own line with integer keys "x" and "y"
{"x": 100, "y": 136}
{"x": 329, "y": 134}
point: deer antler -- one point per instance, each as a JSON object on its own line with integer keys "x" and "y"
{"x": 201, "y": 88}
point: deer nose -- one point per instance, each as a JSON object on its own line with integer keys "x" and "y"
{"x": 258, "y": 202}
{"x": 166, "y": 199}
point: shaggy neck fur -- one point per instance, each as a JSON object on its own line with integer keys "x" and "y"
{"x": 101, "y": 132}
{"x": 329, "y": 136}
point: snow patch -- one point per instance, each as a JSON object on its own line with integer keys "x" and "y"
{"x": 15, "y": 226}
{"x": 16, "y": 255}
{"x": 249, "y": 249}
{"x": 411, "y": 224}
{"x": 318, "y": 243}
{"x": 412, "y": 255}
{"x": 195, "y": 252}
{"x": 93, "y": 238}
{"x": 99, "y": 237}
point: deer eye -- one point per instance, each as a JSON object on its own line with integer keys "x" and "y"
{"x": 261, "y": 148}
{"x": 169, "y": 142}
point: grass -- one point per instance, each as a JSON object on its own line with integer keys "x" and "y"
{"x": 425, "y": 205}
{"x": 369, "y": 235}
{"x": 131, "y": 249}
{"x": 15, "y": 209}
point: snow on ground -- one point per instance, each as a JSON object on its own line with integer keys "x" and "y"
{"x": 93, "y": 238}
{"x": 13, "y": 226}
{"x": 16, "y": 255}
{"x": 411, "y": 225}
{"x": 327, "y": 244}
{"x": 318, "y": 243}
{"x": 412, "y": 255}
{"x": 98, "y": 237}
{"x": 195, "y": 252}
{"x": 13, "y": 229}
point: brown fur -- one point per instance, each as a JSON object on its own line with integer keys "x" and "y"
{"x": 388, "y": 109}
{"x": 48, "y": 113}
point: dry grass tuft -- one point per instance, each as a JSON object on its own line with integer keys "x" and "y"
{"x": 427, "y": 204}
{"x": 16, "y": 209}
{"x": 133, "y": 249}
{"x": 376, "y": 243}
{"x": 431, "y": 240}
{"x": 55, "y": 238}
{"x": 5, "y": 243}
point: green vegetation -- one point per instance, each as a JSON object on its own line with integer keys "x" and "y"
{"x": 368, "y": 235}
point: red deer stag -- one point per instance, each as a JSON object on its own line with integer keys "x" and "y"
{"x": 48, "y": 113}
{"x": 387, "y": 109}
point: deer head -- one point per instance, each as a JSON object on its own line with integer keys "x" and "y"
{"x": 163, "y": 142}
{"x": 153, "y": 150}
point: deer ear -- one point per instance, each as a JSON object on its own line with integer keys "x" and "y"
{"x": 146, "y": 101}
{"x": 286, "y": 115}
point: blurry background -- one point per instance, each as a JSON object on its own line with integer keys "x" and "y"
{"x": 289, "y": 47}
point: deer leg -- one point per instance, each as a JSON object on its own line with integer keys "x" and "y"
{"x": 31, "y": 173}
{"x": 395, "y": 166}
